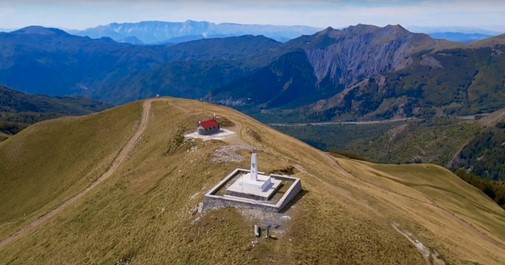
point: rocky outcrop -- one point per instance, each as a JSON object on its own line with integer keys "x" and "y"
{"x": 364, "y": 51}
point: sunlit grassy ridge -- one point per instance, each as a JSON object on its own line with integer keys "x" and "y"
{"x": 145, "y": 212}
{"x": 50, "y": 161}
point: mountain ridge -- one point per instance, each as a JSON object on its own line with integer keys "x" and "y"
{"x": 360, "y": 72}
{"x": 401, "y": 80}
{"x": 117, "y": 72}
{"x": 380, "y": 212}
{"x": 342, "y": 59}
{"x": 39, "y": 30}
{"x": 156, "y": 32}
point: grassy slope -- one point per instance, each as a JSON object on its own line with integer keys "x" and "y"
{"x": 52, "y": 160}
{"x": 3, "y": 136}
{"x": 449, "y": 211}
{"x": 143, "y": 212}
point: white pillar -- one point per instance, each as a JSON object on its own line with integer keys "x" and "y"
{"x": 254, "y": 167}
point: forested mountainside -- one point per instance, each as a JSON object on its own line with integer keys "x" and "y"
{"x": 63, "y": 64}
{"x": 358, "y": 73}
{"x": 18, "y": 110}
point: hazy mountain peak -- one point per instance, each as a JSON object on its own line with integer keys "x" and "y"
{"x": 396, "y": 30}
{"x": 365, "y": 28}
{"x": 396, "y": 27}
{"x": 39, "y": 30}
{"x": 359, "y": 28}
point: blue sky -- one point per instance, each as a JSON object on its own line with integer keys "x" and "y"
{"x": 79, "y": 14}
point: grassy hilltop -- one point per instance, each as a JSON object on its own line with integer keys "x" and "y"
{"x": 351, "y": 212}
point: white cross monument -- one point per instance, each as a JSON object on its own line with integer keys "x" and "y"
{"x": 254, "y": 183}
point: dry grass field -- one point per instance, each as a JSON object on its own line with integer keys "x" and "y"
{"x": 350, "y": 212}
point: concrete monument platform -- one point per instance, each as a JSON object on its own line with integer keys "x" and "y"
{"x": 253, "y": 188}
{"x": 250, "y": 189}
{"x": 254, "y": 185}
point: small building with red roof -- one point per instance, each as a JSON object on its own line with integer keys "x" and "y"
{"x": 208, "y": 127}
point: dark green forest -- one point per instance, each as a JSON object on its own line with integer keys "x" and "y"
{"x": 484, "y": 155}
{"x": 493, "y": 189}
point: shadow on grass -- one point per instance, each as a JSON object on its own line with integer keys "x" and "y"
{"x": 298, "y": 197}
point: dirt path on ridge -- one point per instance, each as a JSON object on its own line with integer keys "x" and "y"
{"x": 122, "y": 156}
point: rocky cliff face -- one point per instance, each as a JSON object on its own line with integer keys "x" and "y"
{"x": 366, "y": 72}
{"x": 364, "y": 51}
{"x": 345, "y": 71}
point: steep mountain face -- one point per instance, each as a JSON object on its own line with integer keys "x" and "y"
{"x": 339, "y": 60}
{"x": 383, "y": 73}
{"x": 156, "y": 32}
{"x": 92, "y": 195}
{"x": 457, "y": 81}
{"x": 286, "y": 81}
{"x": 347, "y": 56}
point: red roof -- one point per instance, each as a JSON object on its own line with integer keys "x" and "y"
{"x": 209, "y": 124}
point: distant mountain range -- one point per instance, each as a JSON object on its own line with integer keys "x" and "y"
{"x": 358, "y": 73}
{"x": 466, "y": 30}
{"x": 460, "y": 37}
{"x": 159, "y": 32}
{"x": 458, "y": 34}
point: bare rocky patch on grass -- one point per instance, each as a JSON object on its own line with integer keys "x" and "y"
{"x": 431, "y": 257}
{"x": 230, "y": 153}
{"x": 276, "y": 222}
